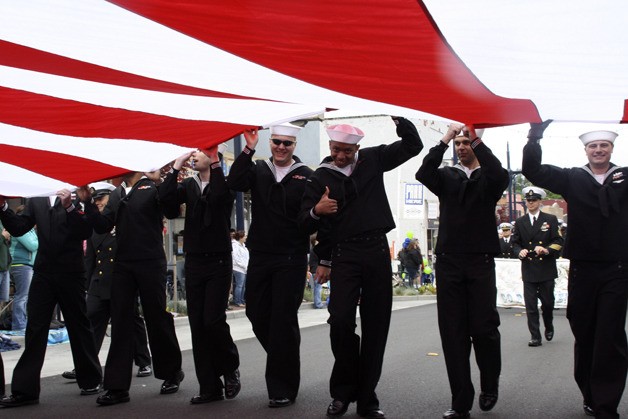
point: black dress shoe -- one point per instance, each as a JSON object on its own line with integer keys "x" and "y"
{"x": 206, "y": 398}
{"x": 455, "y": 414}
{"x": 337, "y": 408}
{"x": 17, "y": 400}
{"x": 113, "y": 397}
{"x": 232, "y": 384}
{"x": 172, "y": 385}
{"x": 535, "y": 342}
{"x": 280, "y": 402}
{"x": 549, "y": 334}
{"x": 487, "y": 401}
{"x": 91, "y": 391}
{"x": 373, "y": 414}
{"x": 70, "y": 375}
{"x": 588, "y": 410}
{"x": 145, "y": 371}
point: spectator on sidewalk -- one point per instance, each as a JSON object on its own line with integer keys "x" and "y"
{"x": 23, "y": 254}
{"x": 413, "y": 262}
{"x": 317, "y": 287}
{"x": 240, "y": 256}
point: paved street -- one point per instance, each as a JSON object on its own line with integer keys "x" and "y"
{"x": 535, "y": 382}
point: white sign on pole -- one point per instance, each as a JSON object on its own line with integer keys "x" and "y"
{"x": 414, "y": 194}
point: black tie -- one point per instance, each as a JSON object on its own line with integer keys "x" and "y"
{"x": 533, "y": 219}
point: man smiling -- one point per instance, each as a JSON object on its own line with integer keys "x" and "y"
{"x": 278, "y": 255}
{"x": 345, "y": 200}
{"x": 597, "y": 247}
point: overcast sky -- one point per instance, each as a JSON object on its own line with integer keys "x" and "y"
{"x": 561, "y": 146}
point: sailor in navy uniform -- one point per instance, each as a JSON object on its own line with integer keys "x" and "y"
{"x": 278, "y": 255}
{"x": 99, "y": 260}
{"x": 345, "y": 201}
{"x": 465, "y": 264}
{"x": 597, "y": 247}
{"x": 538, "y": 244}
{"x": 505, "y": 243}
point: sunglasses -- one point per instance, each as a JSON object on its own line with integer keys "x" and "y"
{"x": 286, "y": 143}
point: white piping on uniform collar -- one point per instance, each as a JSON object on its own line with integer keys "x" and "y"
{"x": 332, "y": 166}
{"x": 465, "y": 169}
{"x": 610, "y": 170}
{"x": 294, "y": 166}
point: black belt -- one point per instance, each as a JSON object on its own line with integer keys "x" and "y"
{"x": 367, "y": 236}
{"x": 208, "y": 254}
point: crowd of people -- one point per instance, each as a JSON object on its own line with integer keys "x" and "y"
{"x": 331, "y": 223}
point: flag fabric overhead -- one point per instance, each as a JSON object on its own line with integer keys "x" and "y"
{"x": 91, "y": 89}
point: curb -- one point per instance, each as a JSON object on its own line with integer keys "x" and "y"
{"x": 238, "y": 313}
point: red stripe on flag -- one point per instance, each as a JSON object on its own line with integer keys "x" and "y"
{"x": 387, "y": 51}
{"x": 19, "y": 56}
{"x": 78, "y": 119}
{"x": 64, "y": 167}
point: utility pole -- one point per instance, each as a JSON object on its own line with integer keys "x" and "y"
{"x": 239, "y": 201}
{"x": 512, "y": 186}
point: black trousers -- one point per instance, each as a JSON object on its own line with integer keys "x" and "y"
{"x": 148, "y": 277}
{"x": 361, "y": 271}
{"x": 532, "y": 292}
{"x": 99, "y": 314}
{"x": 208, "y": 279}
{"x": 46, "y": 291}
{"x": 274, "y": 292}
{"x": 596, "y": 309}
{"x": 467, "y": 316}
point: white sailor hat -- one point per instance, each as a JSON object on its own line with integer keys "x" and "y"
{"x": 345, "y": 133}
{"x": 505, "y": 226}
{"x": 286, "y": 129}
{"x": 601, "y": 135}
{"x": 101, "y": 189}
{"x": 533, "y": 192}
{"x": 222, "y": 148}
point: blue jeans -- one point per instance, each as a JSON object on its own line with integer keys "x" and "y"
{"x": 22, "y": 276}
{"x": 411, "y": 273}
{"x": 238, "y": 289}
{"x": 317, "y": 289}
{"x": 5, "y": 280}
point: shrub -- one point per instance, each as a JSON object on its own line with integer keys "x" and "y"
{"x": 181, "y": 308}
{"x": 427, "y": 289}
{"x": 307, "y": 294}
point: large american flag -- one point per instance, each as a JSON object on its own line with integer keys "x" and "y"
{"x": 91, "y": 89}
